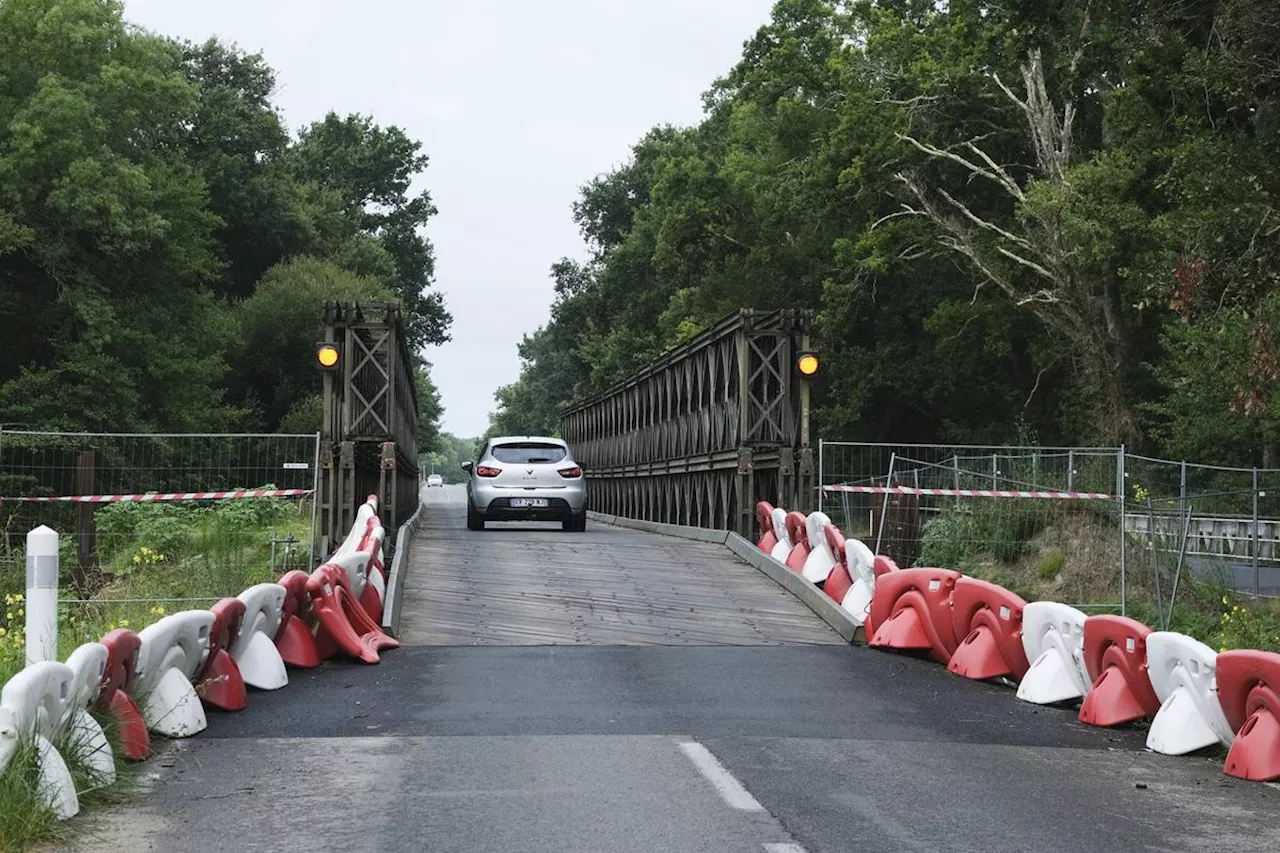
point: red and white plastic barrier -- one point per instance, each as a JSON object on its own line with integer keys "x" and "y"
{"x": 116, "y": 694}
{"x": 989, "y": 618}
{"x": 1053, "y": 641}
{"x": 798, "y": 535}
{"x": 173, "y": 651}
{"x": 31, "y": 705}
{"x": 88, "y": 665}
{"x": 1115, "y": 654}
{"x": 1249, "y": 690}
{"x": 1121, "y": 669}
{"x": 161, "y": 678}
{"x": 255, "y": 651}
{"x": 1183, "y": 673}
{"x": 768, "y": 538}
{"x": 821, "y": 559}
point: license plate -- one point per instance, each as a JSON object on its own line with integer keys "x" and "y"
{"x": 528, "y": 503}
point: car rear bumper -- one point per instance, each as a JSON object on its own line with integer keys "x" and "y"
{"x": 561, "y": 503}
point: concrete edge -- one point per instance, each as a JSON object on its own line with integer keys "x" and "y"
{"x": 696, "y": 534}
{"x": 808, "y": 593}
{"x": 395, "y": 582}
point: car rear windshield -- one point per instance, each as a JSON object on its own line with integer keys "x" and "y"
{"x": 529, "y": 453}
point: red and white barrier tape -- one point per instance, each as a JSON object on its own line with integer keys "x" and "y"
{"x": 970, "y": 493}
{"x": 171, "y": 496}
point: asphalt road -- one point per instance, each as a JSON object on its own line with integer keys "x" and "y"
{"x": 652, "y": 748}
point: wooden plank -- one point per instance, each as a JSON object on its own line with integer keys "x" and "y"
{"x": 538, "y": 585}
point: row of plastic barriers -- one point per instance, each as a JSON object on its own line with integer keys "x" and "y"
{"x": 1118, "y": 669}
{"x": 161, "y": 679}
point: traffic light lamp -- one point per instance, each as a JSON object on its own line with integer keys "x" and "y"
{"x": 807, "y": 364}
{"x": 328, "y": 356}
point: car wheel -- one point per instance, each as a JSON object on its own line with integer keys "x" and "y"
{"x": 475, "y": 521}
{"x": 575, "y": 523}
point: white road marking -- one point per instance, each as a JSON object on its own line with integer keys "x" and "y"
{"x": 783, "y": 848}
{"x": 729, "y": 788}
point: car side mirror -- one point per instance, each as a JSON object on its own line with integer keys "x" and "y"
{"x": 466, "y": 466}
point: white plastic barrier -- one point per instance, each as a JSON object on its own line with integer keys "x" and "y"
{"x": 88, "y": 666}
{"x": 1053, "y": 638}
{"x": 31, "y": 706}
{"x": 352, "y": 542}
{"x": 172, "y": 654}
{"x": 255, "y": 651}
{"x": 861, "y": 564}
{"x": 820, "y": 562}
{"x": 784, "y": 546}
{"x": 356, "y": 565}
{"x": 1183, "y": 672}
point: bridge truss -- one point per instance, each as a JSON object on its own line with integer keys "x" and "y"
{"x": 701, "y": 434}
{"x": 368, "y": 443}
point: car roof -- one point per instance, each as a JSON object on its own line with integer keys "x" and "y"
{"x": 511, "y": 439}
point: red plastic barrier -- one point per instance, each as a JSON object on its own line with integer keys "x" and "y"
{"x": 838, "y": 581}
{"x": 1115, "y": 656}
{"x": 220, "y": 684}
{"x": 882, "y": 566}
{"x": 764, "y": 515}
{"x": 117, "y": 683}
{"x": 344, "y": 624}
{"x": 911, "y": 610}
{"x": 371, "y": 602}
{"x": 798, "y": 533}
{"x": 294, "y": 639}
{"x": 989, "y": 617}
{"x": 1249, "y": 691}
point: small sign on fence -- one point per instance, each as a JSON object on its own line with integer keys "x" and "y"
{"x": 296, "y": 466}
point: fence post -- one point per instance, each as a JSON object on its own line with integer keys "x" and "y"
{"x": 1120, "y": 493}
{"x": 315, "y": 504}
{"x": 995, "y": 474}
{"x": 1182, "y": 484}
{"x": 1071, "y": 470}
{"x": 1253, "y": 536}
{"x": 86, "y": 544}
{"x": 884, "y": 504}
{"x": 821, "y": 470}
{"x": 42, "y": 595}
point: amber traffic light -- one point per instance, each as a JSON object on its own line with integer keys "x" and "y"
{"x": 328, "y": 356}
{"x": 807, "y": 364}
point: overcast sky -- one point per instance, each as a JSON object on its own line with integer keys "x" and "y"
{"x": 517, "y": 103}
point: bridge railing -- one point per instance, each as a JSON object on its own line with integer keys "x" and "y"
{"x": 702, "y": 433}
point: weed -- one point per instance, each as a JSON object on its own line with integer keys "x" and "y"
{"x": 25, "y": 816}
{"x": 1051, "y": 564}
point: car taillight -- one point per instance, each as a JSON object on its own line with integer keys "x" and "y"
{"x": 485, "y": 471}
{"x": 571, "y": 473}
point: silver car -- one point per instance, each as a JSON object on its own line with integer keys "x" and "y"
{"x": 526, "y": 478}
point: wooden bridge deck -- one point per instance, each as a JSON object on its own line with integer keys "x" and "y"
{"x": 533, "y": 584}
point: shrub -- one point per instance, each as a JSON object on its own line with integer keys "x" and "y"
{"x": 1050, "y": 564}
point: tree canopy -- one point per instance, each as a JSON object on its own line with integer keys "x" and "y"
{"x": 1027, "y": 219}
{"x": 166, "y": 246}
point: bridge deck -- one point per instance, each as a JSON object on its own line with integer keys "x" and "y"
{"x": 533, "y": 584}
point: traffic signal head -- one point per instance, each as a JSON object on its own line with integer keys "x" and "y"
{"x": 807, "y": 364}
{"x": 328, "y": 356}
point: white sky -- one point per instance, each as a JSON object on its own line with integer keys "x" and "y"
{"x": 517, "y": 103}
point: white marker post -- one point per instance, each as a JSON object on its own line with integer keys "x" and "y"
{"x": 42, "y": 595}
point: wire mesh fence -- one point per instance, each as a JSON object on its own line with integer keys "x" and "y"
{"x": 1009, "y": 514}
{"x": 1096, "y": 526}
{"x": 126, "y": 503}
